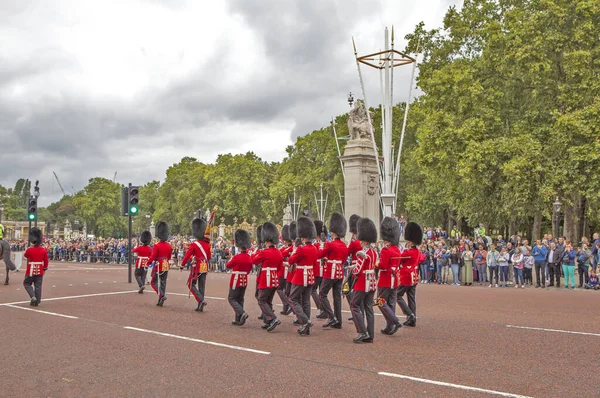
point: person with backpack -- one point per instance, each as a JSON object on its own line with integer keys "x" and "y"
{"x": 480, "y": 257}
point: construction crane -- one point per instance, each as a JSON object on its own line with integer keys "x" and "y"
{"x": 115, "y": 177}
{"x": 59, "y": 184}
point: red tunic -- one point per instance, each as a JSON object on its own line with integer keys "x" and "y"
{"x": 240, "y": 265}
{"x": 409, "y": 267}
{"x": 336, "y": 253}
{"x": 37, "y": 261}
{"x": 353, "y": 248}
{"x": 272, "y": 261}
{"x": 364, "y": 272}
{"x": 389, "y": 260}
{"x": 161, "y": 254}
{"x": 144, "y": 253}
{"x": 201, "y": 263}
{"x": 286, "y": 251}
{"x": 304, "y": 258}
{"x": 291, "y": 270}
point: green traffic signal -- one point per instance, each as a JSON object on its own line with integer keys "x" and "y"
{"x": 133, "y": 210}
{"x": 31, "y": 216}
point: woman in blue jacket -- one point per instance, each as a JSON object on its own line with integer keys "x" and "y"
{"x": 568, "y": 264}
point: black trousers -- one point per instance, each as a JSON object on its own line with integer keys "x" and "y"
{"x": 36, "y": 281}
{"x": 159, "y": 283}
{"x": 300, "y": 297}
{"x": 493, "y": 271}
{"x": 528, "y": 275}
{"x": 583, "y": 275}
{"x": 282, "y": 295}
{"x": 326, "y": 286}
{"x": 554, "y": 270}
{"x": 388, "y": 310}
{"x": 198, "y": 292}
{"x": 140, "y": 276}
{"x": 540, "y": 273}
{"x": 265, "y": 302}
{"x": 315, "y": 293}
{"x": 411, "y": 293}
{"x": 236, "y": 301}
{"x": 362, "y": 306}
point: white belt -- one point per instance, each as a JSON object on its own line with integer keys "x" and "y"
{"x": 334, "y": 264}
{"x": 269, "y": 269}
{"x": 236, "y": 277}
{"x": 305, "y": 274}
{"x": 285, "y": 269}
{"x": 35, "y": 267}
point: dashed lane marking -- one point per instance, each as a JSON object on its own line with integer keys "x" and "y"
{"x": 40, "y": 311}
{"x": 553, "y": 330}
{"x": 233, "y": 347}
{"x": 73, "y": 297}
{"x": 459, "y": 386}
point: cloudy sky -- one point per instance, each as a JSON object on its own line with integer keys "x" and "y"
{"x": 90, "y": 87}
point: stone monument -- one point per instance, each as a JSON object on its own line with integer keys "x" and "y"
{"x": 287, "y": 215}
{"x": 360, "y": 168}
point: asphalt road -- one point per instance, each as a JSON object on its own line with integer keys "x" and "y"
{"x": 93, "y": 335}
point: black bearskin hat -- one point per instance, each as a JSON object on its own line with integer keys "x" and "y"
{"x": 367, "y": 232}
{"x": 413, "y": 233}
{"x": 353, "y": 221}
{"x": 146, "y": 238}
{"x": 285, "y": 233}
{"x": 270, "y": 233}
{"x": 259, "y": 235}
{"x": 162, "y": 231}
{"x": 199, "y": 228}
{"x": 390, "y": 231}
{"x": 306, "y": 228}
{"x": 338, "y": 225}
{"x": 35, "y": 236}
{"x": 242, "y": 239}
{"x": 320, "y": 227}
{"x": 293, "y": 231}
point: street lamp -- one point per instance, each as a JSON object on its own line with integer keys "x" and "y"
{"x": 350, "y": 99}
{"x": 556, "y": 205}
{"x": 1, "y": 211}
{"x": 36, "y": 193}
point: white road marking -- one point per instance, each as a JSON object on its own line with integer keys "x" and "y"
{"x": 459, "y": 386}
{"x": 208, "y": 297}
{"x": 553, "y": 330}
{"x": 233, "y": 347}
{"x": 70, "y": 284}
{"x": 40, "y": 311}
{"x": 73, "y": 297}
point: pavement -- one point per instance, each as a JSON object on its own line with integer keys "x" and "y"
{"x": 94, "y": 335}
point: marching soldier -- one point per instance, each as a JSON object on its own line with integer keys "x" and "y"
{"x": 335, "y": 252}
{"x": 257, "y": 249}
{"x": 290, "y": 269}
{"x": 365, "y": 284}
{"x": 409, "y": 268}
{"x": 304, "y": 259}
{"x": 286, "y": 251}
{"x": 161, "y": 254}
{"x": 240, "y": 266}
{"x": 200, "y": 249}
{"x": 353, "y": 248}
{"x": 387, "y": 286}
{"x": 37, "y": 264}
{"x": 141, "y": 264}
{"x": 318, "y": 269}
{"x": 271, "y": 262}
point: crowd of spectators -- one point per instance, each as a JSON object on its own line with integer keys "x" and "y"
{"x": 513, "y": 262}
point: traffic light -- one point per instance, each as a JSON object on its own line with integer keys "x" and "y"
{"x": 32, "y": 209}
{"x": 134, "y": 198}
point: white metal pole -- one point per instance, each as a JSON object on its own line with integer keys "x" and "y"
{"x": 362, "y": 86}
{"x": 397, "y": 176}
{"x": 337, "y": 144}
{"x": 385, "y": 138}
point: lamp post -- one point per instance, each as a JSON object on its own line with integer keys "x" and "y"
{"x": 350, "y": 99}
{"x": 148, "y": 219}
{"x": 556, "y": 205}
{"x": 77, "y": 227}
{"x": 36, "y": 194}
{"x": 1, "y": 211}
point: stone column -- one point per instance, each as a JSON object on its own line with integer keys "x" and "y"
{"x": 222, "y": 228}
{"x": 362, "y": 181}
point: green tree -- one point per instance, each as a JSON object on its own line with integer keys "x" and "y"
{"x": 99, "y": 205}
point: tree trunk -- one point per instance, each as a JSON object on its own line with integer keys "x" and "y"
{"x": 536, "y": 233}
{"x": 512, "y": 228}
{"x": 581, "y": 217}
{"x": 570, "y": 222}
